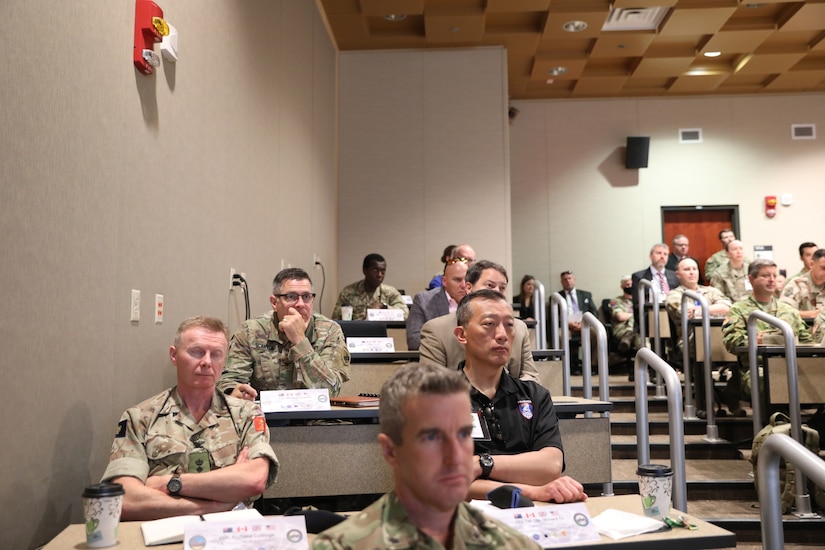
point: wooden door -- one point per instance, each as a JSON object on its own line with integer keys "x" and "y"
{"x": 701, "y": 225}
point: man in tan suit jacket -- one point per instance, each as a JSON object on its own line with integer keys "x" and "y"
{"x": 439, "y": 344}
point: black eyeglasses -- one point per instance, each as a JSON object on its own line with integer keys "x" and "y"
{"x": 292, "y": 297}
{"x": 492, "y": 423}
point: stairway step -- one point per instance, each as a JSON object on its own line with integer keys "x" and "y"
{"x": 624, "y": 446}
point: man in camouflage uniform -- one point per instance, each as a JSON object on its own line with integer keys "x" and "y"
{"x": 621, "y": 317}
{"x": 762, "y": 276}
{"x": 806, "y": 254}
{"x": 371, "y": 292}
{"x": 719, "y": 257}
{"x": 718, "y": 305}
{"x": 731, "y": 278}
{"x": 426, "y": 438}
{"x": 192, "y": 449}
{"x": 288, "y": 348}
{"x": 806, "y": 293}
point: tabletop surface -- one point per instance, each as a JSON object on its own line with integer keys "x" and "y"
{"x": 706, "y": 536}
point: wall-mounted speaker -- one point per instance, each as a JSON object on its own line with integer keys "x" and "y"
{"x": 637, "y": 150}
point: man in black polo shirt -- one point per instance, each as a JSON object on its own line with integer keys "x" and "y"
{"x": 522, "y": 443}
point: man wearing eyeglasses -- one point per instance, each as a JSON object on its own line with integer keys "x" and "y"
{"x": 289, "y": 347}
{"x": 520, "y": 442}
{"x": 438, "y": 342}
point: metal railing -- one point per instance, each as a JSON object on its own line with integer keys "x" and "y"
{"x": 711, "y": 430}
{"x": 540, "y": 314}
{"x": 801, "y": 496}
{"x": 646, "y": 358}
{"x": 558, "y": 317}
{"x": 591, "y": 321}
{"x": 805, "y": 463}
{"x": 657, "y": 339}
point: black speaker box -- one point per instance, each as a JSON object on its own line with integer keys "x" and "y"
{"x": 637, "y": 149}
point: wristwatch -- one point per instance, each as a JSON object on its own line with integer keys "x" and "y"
{"x": 487, "y": 463}
{"x": 174, "y": 486}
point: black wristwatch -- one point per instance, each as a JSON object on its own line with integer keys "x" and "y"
{"x": 174, "y": 486}
{"x": 487, "y": 463}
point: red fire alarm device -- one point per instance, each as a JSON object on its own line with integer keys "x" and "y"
{"x": 149, "y": 28}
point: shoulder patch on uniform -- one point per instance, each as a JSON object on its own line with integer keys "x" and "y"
{"x": 121, "y": 429}
{"x": 526, "y": 409}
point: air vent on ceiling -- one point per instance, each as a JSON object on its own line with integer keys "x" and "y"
{"x": 634, "y": 19}
{"x": 803, "y": 131}
{"x": 690, "y": 135}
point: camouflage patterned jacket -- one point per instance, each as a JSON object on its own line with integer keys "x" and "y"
{"x": 625, "y": 305}
{"x": 385, "y": 524}
{"x": 356, "y": 295}
{"x": 802, "y": 294}
{"x": 735, "y": 328}
{"x": 673, "y": 304}
{"x": 733, "y": 283}
{"x": 263, "y": 357}
{"x": 718, "y": 259}
{"x": 159, "y": 436}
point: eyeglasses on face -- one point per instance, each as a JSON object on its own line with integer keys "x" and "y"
{"x": 492, "y": 423}
{"x": 292, "y": 297}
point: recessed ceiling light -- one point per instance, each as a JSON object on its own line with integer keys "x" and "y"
{"x": 395, "y": 17}
{"x": 557, "y": 71}
{"x": 712, "y": 54}
{"x": 574, "y": 26}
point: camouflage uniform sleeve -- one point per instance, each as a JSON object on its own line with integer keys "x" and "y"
{"x": 239, "y": 361}
{"x": 673, "y": 304}
{"x": 798, "y": 325}
{"x": 395, "y": 301}
{"x": 818, "y": 331}
{"x": 128, "y": 454}
{"x": 735, "y": 328}
{"x": 255, "y": 435}
{"x": 323, "y": 363}
{"x": 791, "y": 294}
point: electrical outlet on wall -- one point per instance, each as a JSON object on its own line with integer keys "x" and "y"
{"x": 231, "y": 278}
{"x": 134, "y": 313}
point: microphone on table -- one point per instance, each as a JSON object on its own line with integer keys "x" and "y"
{"x": 508, "y": 496}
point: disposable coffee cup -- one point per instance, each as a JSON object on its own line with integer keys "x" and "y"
{"x": 346, "y": 313}
{"x": 655, "y": 489}
{"x": 102, "y": 504}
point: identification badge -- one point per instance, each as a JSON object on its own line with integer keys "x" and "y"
{"x": 199, "y": 461}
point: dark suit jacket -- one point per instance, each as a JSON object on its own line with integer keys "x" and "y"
{"x": 426, "y": 305}
{"x": 440, "y": 346}
{"x": 585, "y": 301}
{"x": 647, "y": 275}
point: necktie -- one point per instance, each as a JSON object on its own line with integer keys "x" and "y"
{"x": 573, "y": 302}
{"x": 663, "y": 282}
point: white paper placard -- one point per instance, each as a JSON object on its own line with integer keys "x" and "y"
{"x": 370, "y": 345}
{"x": 274, "y": 532}
{"x": 388, "y": 314}
{"x": 549, "y": 526}
{"x": 316, "y": 399}
{"x": 408, "y": 300}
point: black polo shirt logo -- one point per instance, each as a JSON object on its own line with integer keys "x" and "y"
{"x": 525, "y": 407}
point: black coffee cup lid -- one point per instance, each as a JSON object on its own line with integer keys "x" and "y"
{"x": 101, "y": 490}
{"x": 654, "y": 470}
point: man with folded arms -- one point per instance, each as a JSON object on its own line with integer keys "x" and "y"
{"x": 370, "y": 292}
{"x": 288, "y": 348}
{"x": 438, "y": 342}
{"x": 522, "y": 443}
{"x": 191, "y": 449}
{"x": 426, "y": 438}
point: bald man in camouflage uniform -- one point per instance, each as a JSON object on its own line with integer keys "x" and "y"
{"x": 806, "y": 293}
{"x": 192, "y": 449}
{"x": 287, "y": 348}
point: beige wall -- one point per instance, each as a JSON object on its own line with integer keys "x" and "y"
{"x": 423, "y": 160}
{"x": 113, "y": 181}
{"x": 576, "y": 207}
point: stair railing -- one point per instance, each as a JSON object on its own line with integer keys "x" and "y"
{"x": 558, "y": 317}
{"x": 801, "y": 497}
{"x": 646, "y": 358}
{"x": 657, "y": 339}
{"x": 539, "y": 314}
{"x": 805, "y": 462}
{"x": 591, "y": 321}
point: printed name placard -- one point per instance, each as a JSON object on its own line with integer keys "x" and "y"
{"x": 316, "y": 399}
{"x": 388, "y": 314}
{"x": 274, "y": 532}
{"x": 549, "y": 526}
{"x": 370, "y": 345}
